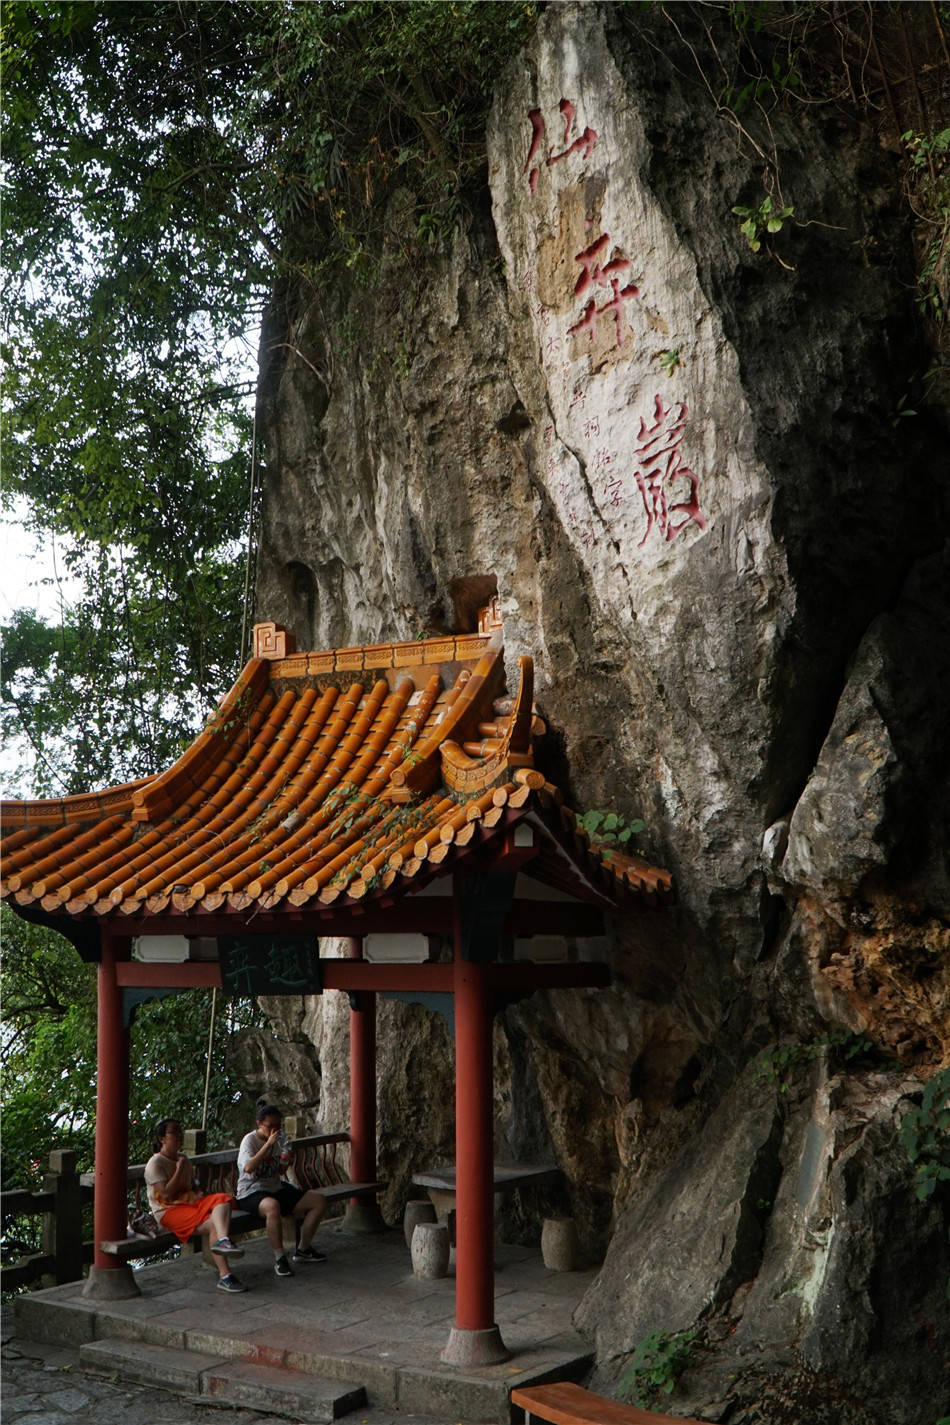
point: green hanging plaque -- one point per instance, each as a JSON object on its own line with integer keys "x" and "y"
{"x": 270, "y": 964}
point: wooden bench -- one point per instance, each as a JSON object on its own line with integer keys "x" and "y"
{"x": 564, "y": 1403}
{"x": 315, "y": 1165}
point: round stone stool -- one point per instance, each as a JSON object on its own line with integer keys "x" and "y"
{"x": 559, "y": 1244}
{"x": 430, "y": 1249}
{"x": 417, "y": 1210}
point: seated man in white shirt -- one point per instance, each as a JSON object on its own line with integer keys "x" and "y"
{"x": 263, "y": 1158}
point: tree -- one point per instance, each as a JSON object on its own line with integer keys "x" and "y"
{"x": 166, "y": 167}
{"x": 124, "y": 393}
{"x": 166, "y": 164}
{"x": 48, "y": 1055}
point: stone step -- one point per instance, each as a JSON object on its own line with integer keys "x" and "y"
{"x": 145, "y": 1364}
{"x": 267, "y": 1389}
{"x": 282, "y": 1391}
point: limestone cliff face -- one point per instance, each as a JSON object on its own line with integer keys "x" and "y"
{"x": 680, "y": 463}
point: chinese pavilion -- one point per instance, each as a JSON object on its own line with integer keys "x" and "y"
{"x": 385, "y": 793}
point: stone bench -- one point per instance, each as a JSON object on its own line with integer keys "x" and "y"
{"x": 564, "y": 1403}
{"x": 315, "y": 1165}
{"x": 440, "y": 1184}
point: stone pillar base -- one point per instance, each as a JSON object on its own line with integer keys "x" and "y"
{"x": 363, "y": 1217}
{"x": 111, "y": 1283}
{"x": 474, "y": 1348}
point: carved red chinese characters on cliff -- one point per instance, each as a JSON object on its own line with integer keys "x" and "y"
{"x": 584, "y": 143}
{"x": 598, "y": 273}
{"x": 661, "y": 467}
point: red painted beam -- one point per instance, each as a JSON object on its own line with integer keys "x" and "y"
{"x": 429, "y": 916}
{"x": 516, "y": 977}
{"x": 140, "y": 974}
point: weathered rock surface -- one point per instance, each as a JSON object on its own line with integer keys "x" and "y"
{"x": 679, "y": 463}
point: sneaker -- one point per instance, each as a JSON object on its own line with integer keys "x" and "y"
{"x": 282, "y": 1267}
{"x": 226, "y": 1248}
{"x": 309, "y": 1254}
{"x": 230, "y": 1283}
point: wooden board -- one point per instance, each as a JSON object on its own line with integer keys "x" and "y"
{"x": 565, "y": 1403}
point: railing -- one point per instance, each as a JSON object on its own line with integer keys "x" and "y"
{"x": 62, "y": 1251}
{"x": 318, "y": 1163}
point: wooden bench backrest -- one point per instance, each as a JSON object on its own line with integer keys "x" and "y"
{"x": 319, "y": 1161}
{"x": 564, "y": 1403}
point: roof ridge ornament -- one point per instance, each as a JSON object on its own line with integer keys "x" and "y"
{"x": 489, "y": 618}
{"x": 272, "y": 641}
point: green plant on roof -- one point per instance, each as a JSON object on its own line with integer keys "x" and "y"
{"x": 609, "y": 829}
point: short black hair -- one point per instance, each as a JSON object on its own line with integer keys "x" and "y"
{"x": 264, "y": 1110}
{"x": 160, "y": 1129}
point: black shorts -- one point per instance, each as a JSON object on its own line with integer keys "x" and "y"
{"x": 287, "y": 1195}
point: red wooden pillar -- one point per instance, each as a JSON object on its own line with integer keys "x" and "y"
{"x": 108, "y": 1278}
{"x": 362, "y": 1216}
{"x": 475, "y": 1339}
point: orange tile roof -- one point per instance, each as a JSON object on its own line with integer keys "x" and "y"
{"x": 324, "y": 778}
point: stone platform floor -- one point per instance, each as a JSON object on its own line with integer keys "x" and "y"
{"x": 360, "y": 1317}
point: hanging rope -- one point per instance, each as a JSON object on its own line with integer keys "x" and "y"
{"x": 204, "y": 1106}
{"x": 249, "y": 583}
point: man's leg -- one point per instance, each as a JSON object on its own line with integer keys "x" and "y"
{"x": 269, "y": 1209}
{"x": 310, "y": 1209}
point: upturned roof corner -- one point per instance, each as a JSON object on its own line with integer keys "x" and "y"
{"x": 328, "y": 777}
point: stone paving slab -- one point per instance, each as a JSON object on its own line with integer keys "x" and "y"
{"x": 360, "y": 1317}
{"x": 42, "y": 1385}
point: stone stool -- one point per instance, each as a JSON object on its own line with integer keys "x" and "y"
{"x": 430, "y": 1250}
{"x": 417, "y": 1210}
{"x": 559, "y": 1244}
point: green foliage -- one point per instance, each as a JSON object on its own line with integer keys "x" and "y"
{"x": 124, "y": 394}
{"x": 122, "y": 684}
{"x": 48, "y": 1055}
{"x": 669, "y": 359}
{"x": 781, "y": 1060}
{"x": 925, "y": 1135}
{"x": 927, "y": 151}
{"x": 389, "y": 107}
{"x": 165, "y": 167}
{"x": 927, "y": 187}
{"x": 609, "y": 828}
{"x": 656, "y": 1365}
{"x": 758, "y": 223}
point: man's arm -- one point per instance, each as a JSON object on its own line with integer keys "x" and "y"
{"x": 251, "y": 1164}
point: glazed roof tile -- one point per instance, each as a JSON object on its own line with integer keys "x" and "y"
{"x": 324, "y": 778}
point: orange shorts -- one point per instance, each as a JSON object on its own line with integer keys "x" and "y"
{"x": 184, "y": 1218}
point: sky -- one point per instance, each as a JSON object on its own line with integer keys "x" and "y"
{"x": 28, "y": 574}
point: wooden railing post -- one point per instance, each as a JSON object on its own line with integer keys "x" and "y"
{"x": 61, "y": 1232}
{"x": 194, "y": 1141}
